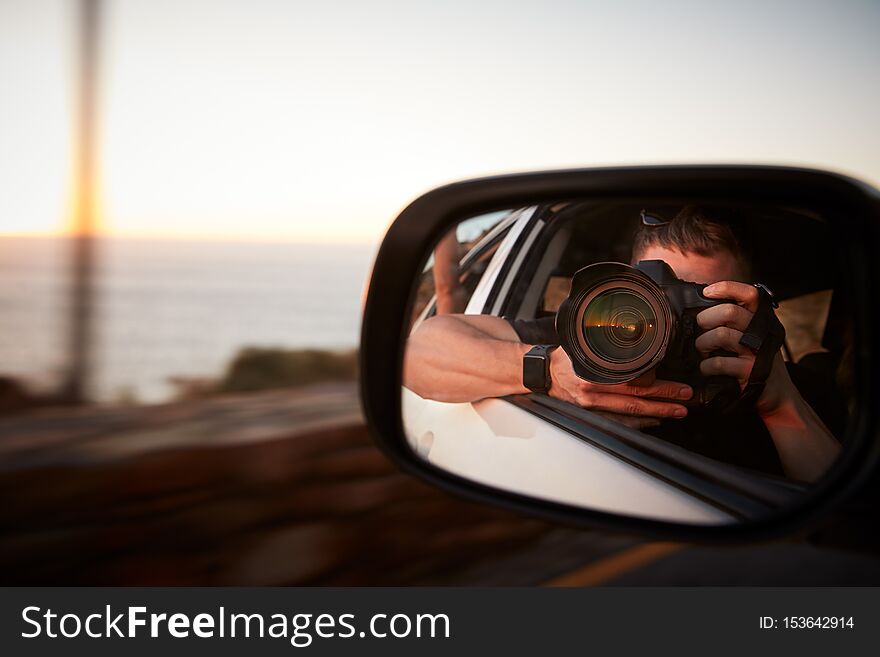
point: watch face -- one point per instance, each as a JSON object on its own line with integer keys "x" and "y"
{"x": 535, "y": 371}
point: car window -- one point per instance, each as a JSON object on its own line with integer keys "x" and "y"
{"x": 805, "y": 318}
{"x": 457, "y": 265}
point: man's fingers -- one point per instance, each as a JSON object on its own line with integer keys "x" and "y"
{"x": 739, "y": 368}
{"x": 725, "y": 314}
{"x": 659, "y": 388}
{"x": 744, "y": 294}
{"x": 629, "y": 405}
{"x": 721, "y": 338}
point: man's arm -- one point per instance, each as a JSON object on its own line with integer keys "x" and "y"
{"x": 464, "y": 358}
{"x": 805, "y": 445}
{"x": 451, "y": 296}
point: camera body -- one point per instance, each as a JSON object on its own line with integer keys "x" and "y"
{"x": 619, "y": 322}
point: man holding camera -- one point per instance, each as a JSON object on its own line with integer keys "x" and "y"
{"x": 464, "y": 358}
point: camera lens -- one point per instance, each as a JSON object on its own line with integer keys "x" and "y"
{"x": 619, "y": 325}
{"x": 615, "y": 324}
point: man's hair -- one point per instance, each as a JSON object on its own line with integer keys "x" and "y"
{"x": 692, "y": 230}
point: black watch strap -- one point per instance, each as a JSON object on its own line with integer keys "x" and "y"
{"x": 536, "y": 367}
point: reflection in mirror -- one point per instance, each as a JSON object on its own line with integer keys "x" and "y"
{"x": 678, "y": 361}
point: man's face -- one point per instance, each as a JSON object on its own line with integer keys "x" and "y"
{"x": 720, "y": 266}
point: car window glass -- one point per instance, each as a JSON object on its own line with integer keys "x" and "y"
{"x": 456, "y": 266}
{"x": 805, "y": 318}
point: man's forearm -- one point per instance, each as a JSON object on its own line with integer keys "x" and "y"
{"x": 805, "y": 445}
{"x": 449, "y": 360}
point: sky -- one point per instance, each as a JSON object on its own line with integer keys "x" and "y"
{"x": 319, "y": 122}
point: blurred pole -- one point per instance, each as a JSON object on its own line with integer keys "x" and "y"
{"x": 85, "y": 190}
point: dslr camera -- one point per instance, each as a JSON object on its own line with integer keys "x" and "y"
{"x": 618, "y": 322}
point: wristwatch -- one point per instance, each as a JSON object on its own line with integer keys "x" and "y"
{"x": 536, "y": 367}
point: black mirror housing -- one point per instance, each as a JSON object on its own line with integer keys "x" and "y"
{"x": 852, "y": 207}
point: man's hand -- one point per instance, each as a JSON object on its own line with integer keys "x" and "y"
{"x": 637, "y": 404}
{"x": 805, "y": 446}
{"x": 724, "y": 326}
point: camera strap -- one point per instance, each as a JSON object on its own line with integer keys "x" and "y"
{"x": 764, "y": 335}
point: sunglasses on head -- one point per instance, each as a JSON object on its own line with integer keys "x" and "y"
{"x": 652, "y": 219}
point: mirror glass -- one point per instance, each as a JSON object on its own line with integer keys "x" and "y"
{"x": 685, "y": 361}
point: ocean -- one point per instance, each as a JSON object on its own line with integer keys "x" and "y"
{"x": 169, "y": 309}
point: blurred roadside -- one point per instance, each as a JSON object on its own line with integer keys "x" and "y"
{"x": 267, "y": 487}
{"x": 285, "y": 487}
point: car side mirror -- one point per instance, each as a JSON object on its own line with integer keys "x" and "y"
{"x": 683, "y": 352}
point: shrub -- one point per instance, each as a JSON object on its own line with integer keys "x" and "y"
{"x": 265, "y": 368}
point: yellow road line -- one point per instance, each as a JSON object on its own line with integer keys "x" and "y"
{"x": 604, "y": 570}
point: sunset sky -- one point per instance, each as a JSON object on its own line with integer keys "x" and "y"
{"x": 319, "y": 121}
